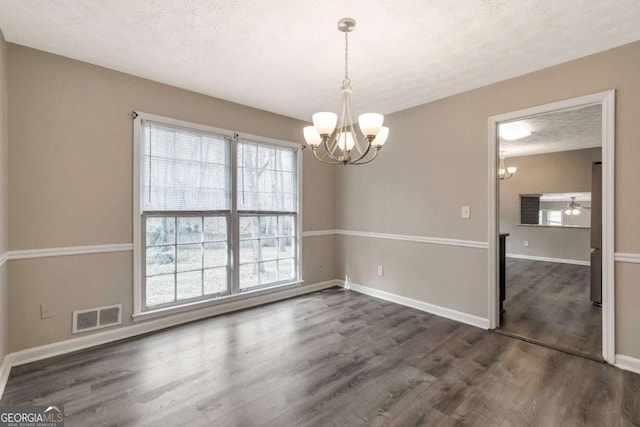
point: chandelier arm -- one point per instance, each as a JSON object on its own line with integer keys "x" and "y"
{"x": 326, "y": 140}
{"x": 372, "y": 158}
{"x": 356, "y": 140}
{"x": 364, "y": 154}
{"x": 348, "y": 120}
{"x": 341, "y": 127}
{"x": 315, "y": 154}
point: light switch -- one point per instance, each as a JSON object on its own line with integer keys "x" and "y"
{"x": 46, "y": 311}
{"x": 466, "y": 212}
{"x": 380, "y": 270}
{"x": 526, "y": 243}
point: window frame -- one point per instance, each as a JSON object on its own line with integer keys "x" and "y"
{"x": 140, "y": 311}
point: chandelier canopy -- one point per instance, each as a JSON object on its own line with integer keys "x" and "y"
{"x": 340, "y": 144}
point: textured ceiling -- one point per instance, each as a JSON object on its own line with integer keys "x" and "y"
{"x": 565, "y": 130}
{"x": 286, "y": 56}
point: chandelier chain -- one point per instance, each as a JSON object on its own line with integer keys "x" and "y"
{"x": 346, "y": 57}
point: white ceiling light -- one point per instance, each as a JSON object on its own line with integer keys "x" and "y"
{"x": 513, "y": 130}
{"x": 572, "y": 208}
{"x": 340, "y": 144}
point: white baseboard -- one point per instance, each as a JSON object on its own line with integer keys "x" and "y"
{"x": 68, "y": 346}
{"x": 548, "y": 259}
{"x": 448, "y": 313}
{"x": 628, "y": 363}
{"x": 5, "y": 369}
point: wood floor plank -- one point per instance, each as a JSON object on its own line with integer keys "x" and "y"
{"x": 550, "y": 302}
{"x": 333, "y": 358}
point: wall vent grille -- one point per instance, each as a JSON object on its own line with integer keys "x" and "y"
{"x": 96, "y": 318}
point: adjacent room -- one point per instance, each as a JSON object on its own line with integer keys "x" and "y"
{"x": 328, "y": 213}
{"x": 551, "y": 227}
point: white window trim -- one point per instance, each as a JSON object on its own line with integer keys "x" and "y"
{"x": 138, "y": 313}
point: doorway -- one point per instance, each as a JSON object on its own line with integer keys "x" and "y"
{"x": 551, "y": 228}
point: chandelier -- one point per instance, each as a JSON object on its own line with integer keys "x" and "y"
{"x": 503, "y": 171}
{"x": 572, "y": 208}
{"x": 340, "y": 144}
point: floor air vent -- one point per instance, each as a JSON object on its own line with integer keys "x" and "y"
{"x": 96, "y": 318}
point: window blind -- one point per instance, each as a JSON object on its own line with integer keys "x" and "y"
{"x": 185, "y": 170}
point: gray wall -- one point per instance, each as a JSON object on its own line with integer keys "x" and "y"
{"x": 562, "y": 172}
{"x": 70, "y": 175}
{"x": 4, "y": 302}
{"x": 436, "y": 161}
{"x": 69, "y": 189}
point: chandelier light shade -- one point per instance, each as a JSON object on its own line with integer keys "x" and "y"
{"x": 332, "y": 138}
{"x": 505, "y": 172}
{"x": 572, "y": 208}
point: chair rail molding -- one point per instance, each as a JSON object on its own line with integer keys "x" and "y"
{"x": 69, "y": 250}
{"x": 401, "y": 237}
{"x": 627, "y": 257}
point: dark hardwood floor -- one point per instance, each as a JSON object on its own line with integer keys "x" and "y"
{"x": 549, "y": 302}
{"x": 333, "y": 358}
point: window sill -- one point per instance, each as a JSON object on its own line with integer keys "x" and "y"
{"x": 163, "y": 312}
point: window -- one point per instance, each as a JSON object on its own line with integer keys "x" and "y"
{"x": 550, "y": 217}
{"x": 266, "y": 203}
{"x": 203, "y": 192}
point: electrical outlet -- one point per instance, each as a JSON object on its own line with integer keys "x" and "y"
{"x": 526, "y": 243}
{"x": 380, "y": 270}
{"x": 46, "y": 311}
{"x": 466, "y": 212}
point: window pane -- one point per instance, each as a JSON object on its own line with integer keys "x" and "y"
{"x": 215, "y": 281}
{"x": 190, "y": 229}
{"x": 189, "y": 257}
{"x": 266, "y": 157}
{"x": 286, "y": 225}
{"x": 266, "y": 180}
{"x": 285, "y": 159}
{"x": 161, "y": 231}
{"x": 160, "y": 289}
{"x": 268, "y": 272}
{"x": 160, "y": 260}
{"x": 215, "y": 255}
{"x": 249, "y": 251}
{"x": 286, "y": 269}
{"x": 215, "y": 229}
{"x": 268, "y": 226}
{"x": 189, "y": 284}
{"x": 248, "y": 227}
{"x": 268, "y": 249}
{"x": 248, "y": 275}
{"x": 285, "y": 247}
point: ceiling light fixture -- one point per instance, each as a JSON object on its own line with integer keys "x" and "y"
{"x": 513, "y": 130}
{"x": 572, "y": 208}
{"x": 505, "y": 172}
{"x": 340, "y": 144}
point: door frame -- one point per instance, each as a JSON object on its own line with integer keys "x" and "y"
{"x": 607, "y": 100}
